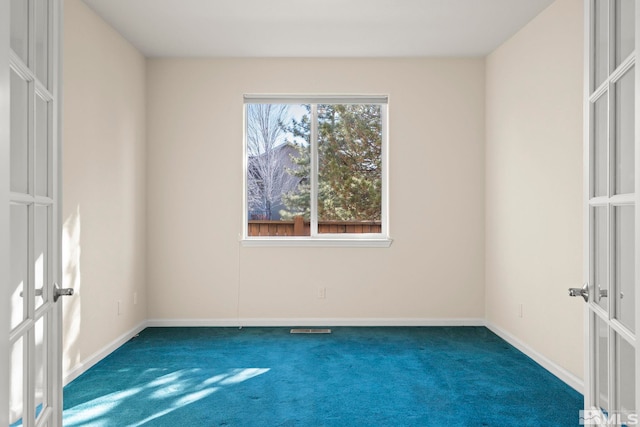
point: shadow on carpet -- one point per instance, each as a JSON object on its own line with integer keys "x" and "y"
{"x": 425, "y": 376}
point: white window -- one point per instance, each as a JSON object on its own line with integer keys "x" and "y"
{"x": 316, "y": 170}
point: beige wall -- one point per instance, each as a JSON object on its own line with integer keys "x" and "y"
{"x": 534, "y": 185}
{"x": 196, "y": 266}
{"x": 104, "y": 197}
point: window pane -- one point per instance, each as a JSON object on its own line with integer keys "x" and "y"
{"x": 600, "y": 149}
{"x": 20, "y": 28}
{"x": 349, "y": 168}
{"x": 19, "y": 258}
{"x": 601, "y": 257}
{"x": 19, "y": 134}
{"x": 42, "y": 41}
{"x": 626, "y": 373}
{"x": 40, "y": 390}
{"x": 624, "y": 265}
{"x": 16, "y": 383}
{"x": 42, "y": 147}
{"x": 314, "y": 167}
{"x": 601, "y": 379}
{"x": 278, "y": 167}
{"x": 41, "y": 264}
{"x": 625, "y": 135}
{"x": 601, "y": 41}
{"x": 625, "y": 29}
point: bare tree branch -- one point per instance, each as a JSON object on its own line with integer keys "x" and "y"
{"x": 268, "y": 156}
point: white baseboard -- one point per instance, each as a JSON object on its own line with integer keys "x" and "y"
{"x": 291, "y": 322}
{"x": 83, "y": 366}
{"x": 566, "y": 376}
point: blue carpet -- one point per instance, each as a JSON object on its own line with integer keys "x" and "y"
{"x": 431, "y": 376}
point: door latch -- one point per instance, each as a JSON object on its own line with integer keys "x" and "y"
{"x": 580, "y": 292}
{"x": 61, "y": 292}
{"x": 602, "y": 293}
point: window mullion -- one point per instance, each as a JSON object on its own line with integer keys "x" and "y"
{"x": 314, "y": 170}
{"x": 384, "y": 209}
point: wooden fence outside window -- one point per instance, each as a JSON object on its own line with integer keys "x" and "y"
{"x": 300, "y": 227}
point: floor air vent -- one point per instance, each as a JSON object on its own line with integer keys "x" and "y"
{"x": 310, "y": 331}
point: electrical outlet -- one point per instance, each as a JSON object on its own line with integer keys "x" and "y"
{"x": 322, "y": 292}
{"x": 119, "y": 307}
{"x": 520, "y": 310}
{"x": 135, "y": 298}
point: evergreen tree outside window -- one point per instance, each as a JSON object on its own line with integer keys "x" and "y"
{"x": 316, "y": 168}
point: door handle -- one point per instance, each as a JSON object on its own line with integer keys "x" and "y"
{"x": 602, "y": 293}
{"x": 38, "y": 293}
{"x": 61, "y": 292}
{"x": 580, "y": 292}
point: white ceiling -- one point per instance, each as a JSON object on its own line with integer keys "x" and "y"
{"x": 317, "y": 28}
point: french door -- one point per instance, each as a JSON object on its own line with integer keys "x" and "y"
{"x": 30, "y": 153}
{"x": 612, "y": 155}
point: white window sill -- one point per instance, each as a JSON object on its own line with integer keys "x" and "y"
{"x": 316, "y": 242}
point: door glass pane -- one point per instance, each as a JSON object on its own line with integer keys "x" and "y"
{"x": 40, "y": 367}
{"x": 626, "y": 374}
{"x": 20, "y": 28}
{"x": 16, "y": 383}
{"x": 41, "y": 242}
{"x": 42, "y": 41}
{"x": 278, "y": 166}
{"x": 600, "y": 148}
{"x": 19, "y": 134}
{"x": 624, "y": 265}
{"x": 601, "y": 41}
{"x": 601, "y": 360}
{"x": 625, "y": 29}
{"x": 625, "y": 135}
{"x": 349, "y": 168}
{"x": 600, "y": 253}
{"x": 19, "y": 262}
{"x": 42, "y": 147}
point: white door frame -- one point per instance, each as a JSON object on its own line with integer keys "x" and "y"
{"x": 637, "y": 204}
{"x": 589, "y": 333}
{"x": 55, "y": 374}
{"x": 4, "y": 212}
{"x": 53, "y": 331}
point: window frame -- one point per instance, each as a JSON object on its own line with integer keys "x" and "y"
{"x": 381, "y": 239}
